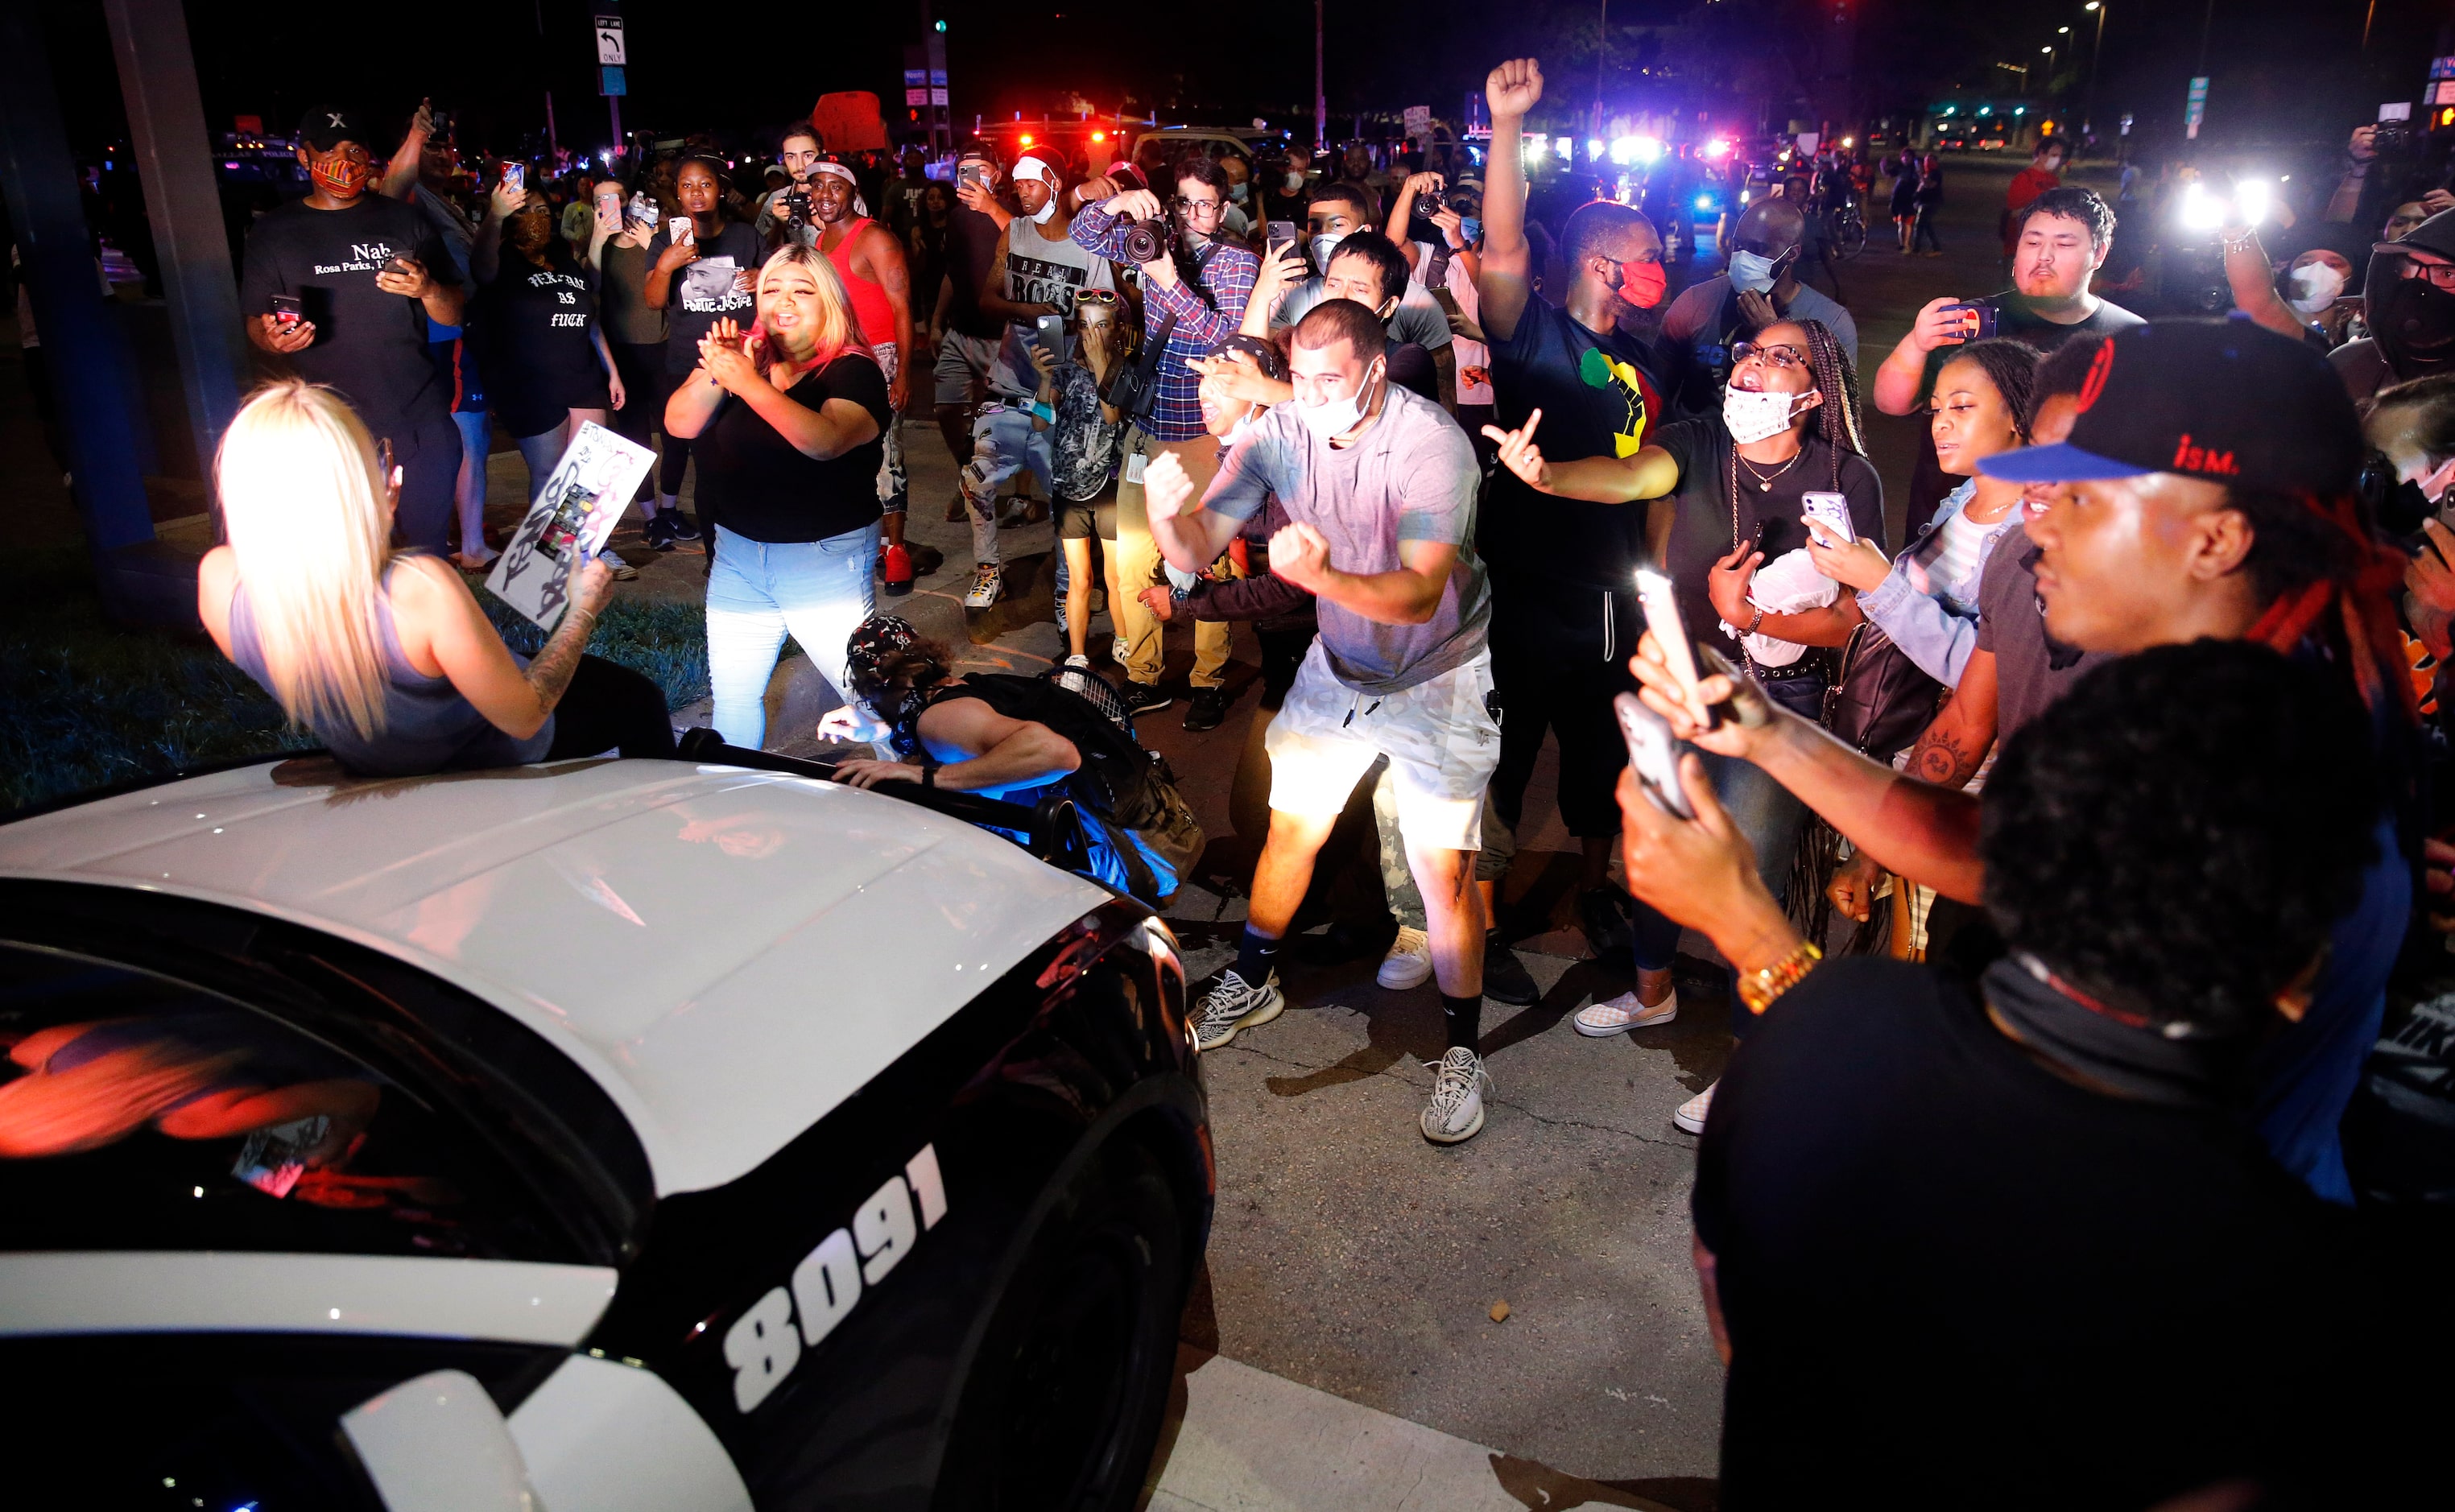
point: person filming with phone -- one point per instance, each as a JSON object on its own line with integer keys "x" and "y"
{"x": 343, "y": 284}
{"x": 2060, "y": 240}
{"x": 703, "y": 268}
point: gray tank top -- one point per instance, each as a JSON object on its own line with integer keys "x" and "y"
{"x": 428, "y": 726}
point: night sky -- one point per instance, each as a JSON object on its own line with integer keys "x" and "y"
{"x": 2282, "y": 68}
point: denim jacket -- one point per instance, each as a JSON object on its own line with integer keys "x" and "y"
{"x": 1936, "y": 626}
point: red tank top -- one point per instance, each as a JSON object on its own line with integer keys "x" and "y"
{"x": 869, "y": 304}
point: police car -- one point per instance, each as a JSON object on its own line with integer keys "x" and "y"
{"x": 604, "y": 1135}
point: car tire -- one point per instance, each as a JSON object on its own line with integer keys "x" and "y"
{"x": 1064, "y": 1398}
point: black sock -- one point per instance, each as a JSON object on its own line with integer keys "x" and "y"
{"x": 1256, "y": 956}
{"x": 1463, "y": 1018}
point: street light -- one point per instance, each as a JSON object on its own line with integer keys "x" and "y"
{"x": 2088, "y": 98}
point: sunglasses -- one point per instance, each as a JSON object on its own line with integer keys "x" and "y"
{"x": 1095, "y": 297}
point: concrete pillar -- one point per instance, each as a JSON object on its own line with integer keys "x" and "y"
{"x": 84, "y": 351}
{"x": 166, "y": 122}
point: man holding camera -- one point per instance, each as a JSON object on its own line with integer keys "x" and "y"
{"x": 343, "y": 283}
{"x": 2061, "y": 238}
{"x": 1197, "y": 285}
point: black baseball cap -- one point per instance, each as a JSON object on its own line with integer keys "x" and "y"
{"x": 2222, "y": 401}
{"x": 326, "y": 127}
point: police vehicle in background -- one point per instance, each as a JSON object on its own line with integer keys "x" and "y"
{"x": 606, "y": 1134}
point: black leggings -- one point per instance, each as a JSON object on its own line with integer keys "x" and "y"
{"x": 608, "y": 707}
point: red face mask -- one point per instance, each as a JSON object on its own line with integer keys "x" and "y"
{"x": 342, "y": 174}
{"x": 1642, "y": 284}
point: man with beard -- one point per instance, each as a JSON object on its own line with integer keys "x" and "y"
{"x": 368, "y": 274}
{"x": 870, "y": 261}
{"x": 2060, "y": 241}
{"x": 2408, "y": 300}
{"x": 1760, "y": 287}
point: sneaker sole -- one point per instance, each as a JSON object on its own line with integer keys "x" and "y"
{"x": 1459, "y": 1138}
{"x": 1407, "y": 977}
{"x": 1148, "y": 708}
{"x": 1643, "y": 1021}
{"x": 1686, "y": 1124}
{"x": 1277, "y": 1005}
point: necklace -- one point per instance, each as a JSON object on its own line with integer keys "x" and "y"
{"x": 1764, "y": 481}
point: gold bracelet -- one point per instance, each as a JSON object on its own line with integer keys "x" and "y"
{"x": 1758, "y": 989}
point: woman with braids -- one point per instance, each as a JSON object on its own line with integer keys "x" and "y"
{"x": 1725, "y": 494}
{"x": 2205, "y": 492}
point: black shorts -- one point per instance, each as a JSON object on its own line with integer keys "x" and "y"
{"x": 1094, "y": 517}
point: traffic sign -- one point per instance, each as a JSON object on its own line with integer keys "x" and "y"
{"x": 2195, "y": 108}
{"x": 609, "y": 43}
{"x": 610, "y": 80}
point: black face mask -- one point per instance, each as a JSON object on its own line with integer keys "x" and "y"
{"x": 2412, "y": 319}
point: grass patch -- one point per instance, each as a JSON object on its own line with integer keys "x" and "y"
{"x": 87, "y": 704}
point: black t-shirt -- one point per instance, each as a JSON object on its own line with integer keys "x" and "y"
{"x": 972, "y": 243}
{"x": 1951, "y": 1274}
{"x": 2031, "y": 671}
{"x": 369, "y": 344}
{"x": 540, "y": 357}
{"x": 1600, "y": 397}
{"x": 2016, "y": 320}
{"x": 1700, "y": 524}
{"x": 760, "y": 487}
{"x": 694, "y": 304}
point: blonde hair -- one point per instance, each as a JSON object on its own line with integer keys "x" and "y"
{"x": 838, "y": 328}
{"x": 303, "y": 503}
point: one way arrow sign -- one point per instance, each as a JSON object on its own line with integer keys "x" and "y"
{"x": 609, "y": 41}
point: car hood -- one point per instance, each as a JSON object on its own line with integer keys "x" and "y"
{"x": 730, "y": 954}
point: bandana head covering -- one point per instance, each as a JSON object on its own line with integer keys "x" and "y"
{"x": 1029, "y": 166}
{"x": 860, "y": 206}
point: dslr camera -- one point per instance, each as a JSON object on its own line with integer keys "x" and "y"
{"x": 797, "y": 206}
{"x": 1142, "y": 242}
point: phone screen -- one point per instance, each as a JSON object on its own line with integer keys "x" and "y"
{"x": 516, "y": 176}
{"x": 1653, "y": 755}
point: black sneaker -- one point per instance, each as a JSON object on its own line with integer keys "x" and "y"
{"x": 1603, "y": 911}
{"x": 658, "y": 532}
{"x": 1207, "y": 708}
{"x": 1505, "y": 978}
{"x": 678, "y": 525}
{"x": 1145, "y": 698}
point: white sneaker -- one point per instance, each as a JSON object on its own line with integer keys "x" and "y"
{"x": 1079, "y": 662}
{"x": 1691, "y": 1117}
{"x": 1232, "y": 1006}
{"x": 1410, "y": 961}
{"x": 1459, "y": 1085}
{"x": 989, "y": 581}
{"x": 1603, "y": 1020}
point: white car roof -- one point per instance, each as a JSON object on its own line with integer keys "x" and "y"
{"x": 729, "y": 953}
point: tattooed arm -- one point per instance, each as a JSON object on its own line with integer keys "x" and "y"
{"x": 440, "y": 623}
{"x": 1955, "y": 746}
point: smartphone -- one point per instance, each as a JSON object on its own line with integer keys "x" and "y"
{"x": 1653, "y": 755}
{"x": 971, "y": 174}
{"x": 1050, "y": 332}
{"x": 441, "y": 125}
{"x": 1831, "y": 511}
{"x": 1653, "y": 591}
{"x": 1282, "y": 235}
{"x": 1978, "y": 320}
{"x": 287, "y": 313}
{"x": 678, "y": 231}
{"x": 516, "y": 176}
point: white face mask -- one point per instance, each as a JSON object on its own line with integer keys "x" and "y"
{"x": 1236, "y": 193}
{"x": 1750, "y": 273}
{"x": 1294, "y": 180}
{"x": 1752, "y": 417}
{"x": 1337, "y": 416}
{"x": 1322, "y": 248}
{"x": 2315, "y": 287}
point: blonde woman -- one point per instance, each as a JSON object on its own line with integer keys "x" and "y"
{"x": 785, "y": 419}
{"x": 386, "y": 655}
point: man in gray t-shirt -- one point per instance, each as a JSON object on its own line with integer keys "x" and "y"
{"x": 1378, "y": 488}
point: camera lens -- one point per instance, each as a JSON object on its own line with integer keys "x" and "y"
{"x": 1142, "y": 244}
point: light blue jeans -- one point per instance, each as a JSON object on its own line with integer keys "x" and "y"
{"x": 820, "y": 591}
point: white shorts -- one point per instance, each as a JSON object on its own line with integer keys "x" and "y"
{"x": 1440, "y": 737}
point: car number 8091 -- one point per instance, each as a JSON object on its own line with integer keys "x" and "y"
{"x": 764, "y": 1343}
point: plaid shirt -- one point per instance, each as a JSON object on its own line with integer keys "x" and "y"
{"x": 1227, "y": 272}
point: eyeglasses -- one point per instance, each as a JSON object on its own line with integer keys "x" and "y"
{"x": 1781, "y": 358}
{"x": 1197, "y": 207}
{"x": 2443, "y": 274}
